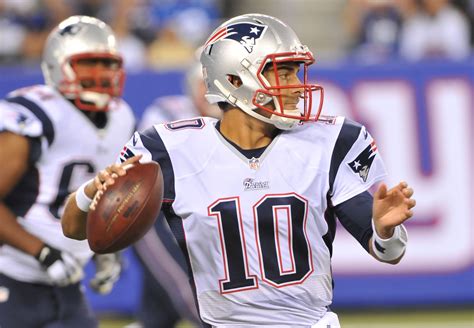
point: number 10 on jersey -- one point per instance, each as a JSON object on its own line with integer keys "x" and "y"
{"x": 268, "y": 214}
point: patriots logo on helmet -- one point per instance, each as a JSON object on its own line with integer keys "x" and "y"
{"x": 72, "y": 29}
{"x": 362, "y": 163}
{"x": 21, "y": 119}
{"x": 246, "y": 34}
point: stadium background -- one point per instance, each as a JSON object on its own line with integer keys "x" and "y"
{"x": 422, "y": 117}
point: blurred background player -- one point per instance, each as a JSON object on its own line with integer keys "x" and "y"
{"x": 166, "y": 294}
{"x": 55, "y": 137}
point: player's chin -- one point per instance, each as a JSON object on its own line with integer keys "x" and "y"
{"x": 291, "y": 105}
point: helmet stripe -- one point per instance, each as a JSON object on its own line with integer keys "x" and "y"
{"x": 219, "y": 34}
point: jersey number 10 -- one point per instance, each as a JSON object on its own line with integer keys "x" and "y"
{"x": 266, "y": 226}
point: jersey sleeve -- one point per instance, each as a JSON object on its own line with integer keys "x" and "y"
{"x": 149, "y": 144}
{"x": 20, "y": 120}
{"x": 24, "y": 117}
{"x": 355, "y": 215}
{"x": 356, "y": 164}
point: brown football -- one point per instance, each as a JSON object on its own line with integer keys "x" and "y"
{"x": 127, "y": 209}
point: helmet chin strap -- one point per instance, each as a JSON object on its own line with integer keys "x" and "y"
{"x": 285, "y": 123}
{"x": 101, "y": 100}
{"x": 282, "y": 123}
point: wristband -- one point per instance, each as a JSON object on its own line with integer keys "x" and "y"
{"x": 392, "y": 248}
{"x": 82, "y": 200}
{"x": 48, "y": 255}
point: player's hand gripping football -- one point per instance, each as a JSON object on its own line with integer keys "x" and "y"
{"x": 107, "y": 272}
{"x": 392, "y": 207}
{"x": 106, "y": 177}
{"x": 62, "y": 267}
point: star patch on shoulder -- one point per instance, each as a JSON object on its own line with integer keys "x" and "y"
{"x": 361, "y": 165}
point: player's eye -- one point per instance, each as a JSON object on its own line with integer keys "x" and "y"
{"x": 87, "y": 83}
{"x": 283, "y": 74}
{"x": 111, "y": 63}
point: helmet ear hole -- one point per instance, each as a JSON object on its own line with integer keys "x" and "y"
{"x": 235, "y": 80}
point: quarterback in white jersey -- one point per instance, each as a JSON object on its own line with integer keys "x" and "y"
{"x": 56, "y": 137}
{"x": 258, "y": 229}
{"x": 253, "y": 198}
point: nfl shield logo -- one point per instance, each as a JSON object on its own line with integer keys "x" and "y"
{"x": 254, "y": 163}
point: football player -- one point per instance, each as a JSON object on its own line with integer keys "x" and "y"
{"x": 55, "y": 137}
{"x": 253, "y": 198}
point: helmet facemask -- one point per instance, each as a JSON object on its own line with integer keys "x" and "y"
{"x": 273, "y": 94}
{"x": 92, "y": 88}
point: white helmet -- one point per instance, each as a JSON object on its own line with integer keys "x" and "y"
{"x": 78, "y": 38}
{"x": 244, "y": 46}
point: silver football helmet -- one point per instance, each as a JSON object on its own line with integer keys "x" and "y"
{"x": 245, "y": 46}
{"x": 76, "y": 39}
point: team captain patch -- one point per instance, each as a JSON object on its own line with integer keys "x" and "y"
{"x": 362, "y": 163}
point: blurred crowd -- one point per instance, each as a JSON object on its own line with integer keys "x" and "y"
{"x": 153, "y": 33}
{"x": 163, "y": 34}
{"x": 410, "y": 29}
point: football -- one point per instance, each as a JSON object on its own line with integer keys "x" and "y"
{"x": 127, "y": 209}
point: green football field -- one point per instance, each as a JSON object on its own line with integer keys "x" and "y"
{"x": 438, "y": 318}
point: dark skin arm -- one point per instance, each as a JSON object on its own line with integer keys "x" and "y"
{"x": 11, "y": 171}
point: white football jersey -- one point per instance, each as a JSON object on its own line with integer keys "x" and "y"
{"x": 255, "y": 229}
{"x": 73, "y": 150}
